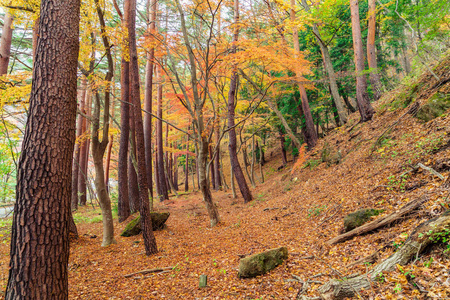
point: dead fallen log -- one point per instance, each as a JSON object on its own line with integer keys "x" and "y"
{"x": 424, "y": 235}
{"x": 380, "y": 222}
{"x": 143, "y": 272}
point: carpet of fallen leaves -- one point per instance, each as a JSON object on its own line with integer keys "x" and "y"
{"x": 299, "y": 210}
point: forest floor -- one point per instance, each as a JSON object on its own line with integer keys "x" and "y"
{"x": 300, "y": 210}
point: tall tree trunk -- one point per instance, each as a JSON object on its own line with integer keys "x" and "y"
{"x": 233, "y": 186}
{"x": 76, "y": 156}
{"x": 283, "y": 149}
{"x": 108, "y": 160}
{"x": 212, "y": 167}
{"x": 123, "y": 205}
{"x": 310, "y": 132}
{"x": 99, "y": 147}
{"x": 84, "y": 154}
{"x": 166, "y": 161}
{"x": 330, "y": 70}
{"x": 237, "y": 170}
{"x": 133, "y": 188}
{"x": 146, "y": 221}
{"x": 122, "y": 171}
{"x": 40, "y": 230}
{"x": 374, "y": 76}
{"x": 203, "y": 183}
{"x": 217, "y": 159}
{"x": 164, "y": 195}
{"x": 148, "y": 101}
{"x": 186, "y": 166}
{"x": 365, "y": 109}
{"x": 5, "y": 43}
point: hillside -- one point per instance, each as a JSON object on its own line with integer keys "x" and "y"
{"x": 360, "y": 165}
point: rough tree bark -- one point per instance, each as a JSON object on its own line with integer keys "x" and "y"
{"x": 40, "y": 230}
{"x": 146, "y": 221}
{"x": 122, "y": 171}
{"x": 5, "y": 43}
{"x": 237, "y": 170}
{"x": 365, "y": 109}
{"x": 374, "y": 76}
{"x": 133, "y": 188}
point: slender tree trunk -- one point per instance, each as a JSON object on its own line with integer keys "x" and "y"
{"x": 212, "y": 168}
{"x": 237, "y": 170}
{"x": 99, "y": 147}
{"x": 217, "y": 159}
{"x": 122, "y": 171}
{"x": 233, "y": 187}
{"x": 374, "y": 76}
{"x": 40, "y": 229}
{"x": 252, "y": 167}
{"x": 84, "y": 152}
{"x": 164, "y": 195}
{"x": 261, "y": 162}
{"x": 148, "y": 101}
{"x": 310, "y": 132}
{"x": 76, "y": 156}
{"x": 146, "y": 221}
{"x": 108, "y": 161}
{"x": 283, "y": 150}
{"x": 330, "y": 70}
{"x": 365, "y": 109}
{"x": 133, "y": 188}
{"x": 166, "y": 161}
{"x": 186, "y": 166}
{"x": 5, "y": 43}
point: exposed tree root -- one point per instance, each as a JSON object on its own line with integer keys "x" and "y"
{"x": 419, "y": 239}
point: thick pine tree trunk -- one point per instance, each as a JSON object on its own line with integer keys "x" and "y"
{"x": 40, "y": 230}
{"x": 374, "y": 76}
{"x": 365, "y": 109}
{"x": 5, "y": 43}
{"x": 144, "y": 206}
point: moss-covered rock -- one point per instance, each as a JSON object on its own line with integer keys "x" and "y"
{"x": 330, "y": 155}
{"x": 438, "y": 104}
{"x": 261, "y": 263}
{"x": 134, "y": 227}
{"x": 357, "y": 218}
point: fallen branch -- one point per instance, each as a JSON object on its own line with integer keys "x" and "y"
{"x": 143, "y": 272}
{"x": 431, "y": 170}
{"x": 380, "y": 222}
{"x": 419, "y": 239}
